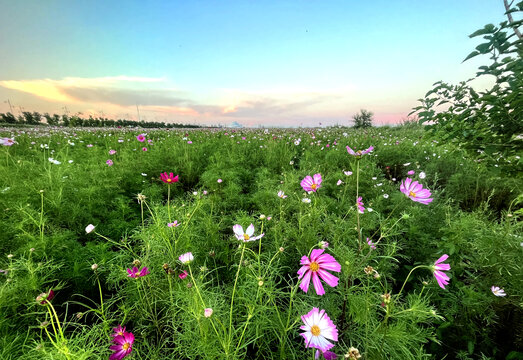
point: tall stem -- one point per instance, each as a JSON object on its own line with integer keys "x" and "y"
{"x": 233, "y": 292}
{"x": 417, "y": 267}
{"x": 357, "y": 196}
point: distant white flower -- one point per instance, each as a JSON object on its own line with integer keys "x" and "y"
{"x": 144, "y": 174}
{"x": 348, "y": 173}
{"x": 70, "y": 161}
{"x": 339, "y": 182}
{"x": 89, "y": 228}
{"x": 496, "y": 290}
{"x": 291, "y": 162}
{"x": 207, "y": 312}
{"x": 422, "y": 175}
{"x": 370, "y": 209}
{"x": 374, "y": 178}
{"x": 406, "y": 164}
{"x": 386, "y": 196}
{"x": 306, "y": 200}
{"x": 281, "y": 194}
{"x": 186, "y": 258}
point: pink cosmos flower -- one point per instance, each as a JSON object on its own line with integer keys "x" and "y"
{"x": 311, "y": 183}
{"x": 415, "y": 191}
{"x": 327, "y": 355}
{"x": 173, "y": 224}
{"x": 319, "y": 329}
{"x": 123, "y": 346}
{"x": 44, "y": 297}
{"x": 207, "y": 312}
{"x": 496, "y": 290}
{"x": 183, "y": 275}
{"x": 411, "y": 172}
{"x": 112, "y": 152}
{"x": 89, "y": 145}
{"x": 219, "y": 181}
{"x": 186, "y": 258}
{"x": 316, "y": 268}
{"x": 281, "y": 194}
{"x": 118, "y": 331}
{"x": 359, "y": 203}
{"x": 7, "y": 141}
{"x": 359, "y": 153}
{"x": 247, "y": 235}
{"x": 109, "y": 162}
{"x": 141, "y": 138}
{"x": 168, "y": 178}
{"x": 189, "y": 142}
{"x": 438, "y": 269}
{"x": 144, "y": 149}
{"x": 371, "y": 244}
{"x": 136, "y": 273}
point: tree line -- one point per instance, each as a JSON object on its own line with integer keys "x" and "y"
{"x": 35, "y": 118}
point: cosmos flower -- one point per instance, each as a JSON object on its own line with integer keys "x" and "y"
{"x": 123, "y": 345}
{"x": 109, "y": 162}
{"x": 319, "y": 329}
{"x": 496, "y": 290}
{"x": 411, "y": 172}
{"x": 118, "y": 331}
{"x": 311, "y": 183}
{"x": 347, "y": 173}
{"x": 141, "y": 138}
{"x": 89, "y": 228}
{"x": 137, "y": 273}
{"x": 359, "y": 204}
{"x": 112, "y": 152}
{"x": 281, "y": 194}
{"x": 359, "y": 153}
{"x": 173, "y": 224}
{"x": 339, "y": 182}
{"x": 315, "y": 268}
{"x": 327, "y": 355}
{"x": 371, "y": 244}
{"x": 247, "y": 235}
{"x": 44, "y": 297}
{"x": 207, "y": 312}
{"x": 7, "y": 141}
{"x": 144, "y": 149}
{"x": 183, "y": 275}
{"x": 415, "y": 191}
{"x": 168, "y": 178}
{"x": 438, "y": 269}
{"x": 219, "y": 181}
{"x": 186, "y": 258}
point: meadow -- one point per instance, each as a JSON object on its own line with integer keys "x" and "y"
{"x": 329, "y": 243}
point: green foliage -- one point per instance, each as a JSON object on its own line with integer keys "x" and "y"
{"x": 489, "y": 122}
{"x": 363, "y": 119}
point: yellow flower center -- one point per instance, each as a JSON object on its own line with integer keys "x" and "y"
{"x": 313, "y": 186}
{"x": 169, "y": 180}
{"x": 246, "y": 237}
{"x": 315, "y": 330}
{"x": 411, "y": 193}
{"x": 126, "y": 345}
{"x": 314, "y": 266}
{"x": 120, "y": 333}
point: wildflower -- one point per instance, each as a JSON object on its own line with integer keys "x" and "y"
{"x": 112, "y": 152}
{"x": 438, "y": 269}
{"x": 89, "y": 228}
{"x": 168, "y": 178}
{"x": 282, "y": 249}
{"x": 136, "y": 273}
{"x": 109, "y": 162}
{"x": 318, "y": 330}
{"x": 263, "y": 217}
{"x": 247, "y": 235}
{"x": 43, "y": 298}
{"x": 371, "y": 244}
{"x": 422, "y": 175}
{"x": 311, "y": 183}
{"x": 317, "y": 266}
{"x": 327, "y": 355}
{"x": 386, "y": 298}
{"x": 386, "y": 196}
{"x": 306, "y": 200}
{"x": 353, "y": 354}
{"x": 118, "y": 331}
{"x": 141, "y": 198}
{"x": 141, "y": 138}
{"x": 359, "y": 204}
{"x": 324, "y": 244}
{"x": 359, "y": 153}
{"x": 89, "y": 145}
{"x": 189, "y": 142}
{"x": 173, "y": 224}
{"x": 281, "y": 194}
{"x": 496, "y": 290}
{"x": 56, "y": 162}
{"x": 10, "y": 256}
{"x": 123, "y": 346}
{"x": 183, "y": 275}
{"x": 406, "y": 164}
{"x": 207, "y": 312}
{"x": 339, "y": 182}
{"x": 369, "y": 270}
{"x": 415, "y": 191}
{"x": 144, "y": 149}
{"x": 94, "y": 267}
{"x": 7, "y": 141}
{"x": 219, "y": 181}
{"x": 186, "y": 258}
{"x": 411, "y": 172}
{"x": 347, "y": 173}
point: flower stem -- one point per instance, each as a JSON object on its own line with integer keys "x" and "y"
{"x": 232, "y": 297}
{"x": 417, "y": 267}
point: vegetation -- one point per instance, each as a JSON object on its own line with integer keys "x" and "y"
{"x": 363, "y": 119}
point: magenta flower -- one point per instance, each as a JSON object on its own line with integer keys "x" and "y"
{"x": 311, "y": 183}
{"x": 316, "y": 268}
{"x": 136, "y": 273}
{"x": 173, "y": 224}
{"x": 415, "y": 191}
{"x": 43, "y": 298}
{"x": 359, "y": 153}
{"x": 141, "y": 138}
{"x": 183, "y": 274}
{"x": 168, "y": 178}
{"x": 319, "y": 329}
{"x": 109, "y": 162}
{"x": 371, "y": 244}
{"x": 438, "y": 269}
{"x": 247, "y": 235}
{"x": 144, "y": 149}
{"x": 112, "y": 152}
{"x": 411, "y": 172}
{"x": 327, "y": 355}
{"x": 118, "y": 331}
{"x": 359, "y": 203}
{"x": 123, "y": 346}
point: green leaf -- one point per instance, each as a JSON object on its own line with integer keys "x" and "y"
{"x": 471, "y": 55}
{"x": 488, "y": 29}
{"x": 483, "y": 48}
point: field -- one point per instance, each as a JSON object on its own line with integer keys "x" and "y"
{"x": 93, "y": 237}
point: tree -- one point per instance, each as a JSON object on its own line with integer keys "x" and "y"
{"x": 363, "y": 119}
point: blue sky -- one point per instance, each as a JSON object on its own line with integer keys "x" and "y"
{"x": 256, "y": 62}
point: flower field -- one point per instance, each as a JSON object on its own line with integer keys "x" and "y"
{"x": 256, "y": 244}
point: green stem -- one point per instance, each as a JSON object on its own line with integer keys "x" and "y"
{"x": 417, "y": 267}
{"x": 232, "y": 297}
{"x": 357, "y": 209}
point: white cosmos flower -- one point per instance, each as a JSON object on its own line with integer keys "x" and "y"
{"x": 247, "y": 235}
{"x": 496, "y": 290}
{"x": 422, "y": 175}
{"x": 89, "y": 228}
{"x": 186, "y": 258}
{"x": 319, "y": 329}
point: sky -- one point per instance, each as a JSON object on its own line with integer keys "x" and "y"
{"x": 257, "y": 63}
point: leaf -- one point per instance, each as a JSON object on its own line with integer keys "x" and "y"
{"x": 471, "y": 55}
{"x": 483, "y": 48}
{"x": 488, "y": 29}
